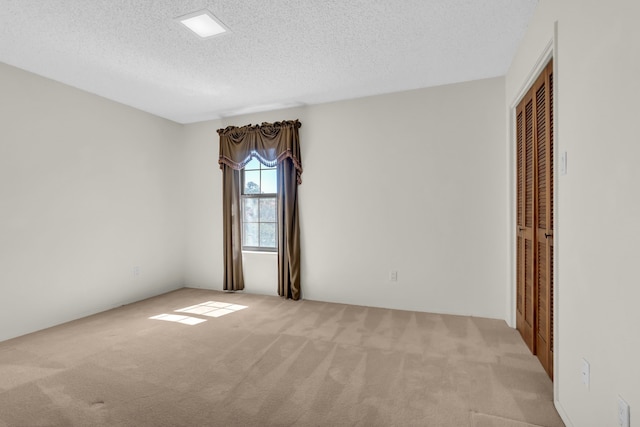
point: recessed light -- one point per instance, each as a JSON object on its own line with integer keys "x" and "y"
{"x": 203, "y": 23}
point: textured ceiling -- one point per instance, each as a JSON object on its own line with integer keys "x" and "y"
{"x": 279, "y": 53}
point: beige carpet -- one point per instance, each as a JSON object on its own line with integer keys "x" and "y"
{"x": 485, "y": 420}
{"x": 273, "y": 363}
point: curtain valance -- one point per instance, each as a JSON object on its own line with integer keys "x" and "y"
{"x": 270, "y": 143}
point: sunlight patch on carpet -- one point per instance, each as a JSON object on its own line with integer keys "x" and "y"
{"x": 185, "y": 320}
{"x": 212, "y": 308}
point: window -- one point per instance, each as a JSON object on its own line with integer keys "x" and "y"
{"x": 259, "y": 204}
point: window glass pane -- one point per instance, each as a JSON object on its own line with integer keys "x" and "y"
{"x": 268, "y": 210}
{"x": 269, "y": 181}
{"x": 268, "y": 235}
{"x": 250, "y": 210}
{"x": 251, "y": 182}
{"x": 253, "y": 164}
{"x": 250, "y": 235}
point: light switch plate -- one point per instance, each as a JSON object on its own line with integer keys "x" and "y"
{"x": 586, "y": 372}
{"x": 563, "y": 163}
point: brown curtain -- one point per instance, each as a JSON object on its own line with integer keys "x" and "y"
{"x": 273, "y": 144}
{"x": 233, "y": 278}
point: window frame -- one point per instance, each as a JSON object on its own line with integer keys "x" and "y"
{"x": 258, "y": 197}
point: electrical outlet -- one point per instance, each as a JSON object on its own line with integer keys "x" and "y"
{"x": 393, "y": 276}
{"x": 136, "y": 271}
{"x": 624, "y": 413}
{"x": 586, "y": 372}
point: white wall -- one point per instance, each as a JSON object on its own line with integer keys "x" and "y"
{"x": 412, "y": 181}
{"x": 597, "y": 69}
{"x": 88, "y": 189}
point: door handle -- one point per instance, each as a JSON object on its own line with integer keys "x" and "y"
{"x": 547, "y": 235}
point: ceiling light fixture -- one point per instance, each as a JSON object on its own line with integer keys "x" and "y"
{"x": 203, "y": 23}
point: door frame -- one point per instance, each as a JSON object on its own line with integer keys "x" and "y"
{"x": 548, "y": 53}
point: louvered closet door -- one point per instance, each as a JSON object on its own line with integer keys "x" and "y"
{"x": 525, "y": 319}
{"x": 544, "y": 218}
{"x": 534, "y": 252}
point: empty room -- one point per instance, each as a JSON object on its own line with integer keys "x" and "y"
{"x": 305, "y": 213}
